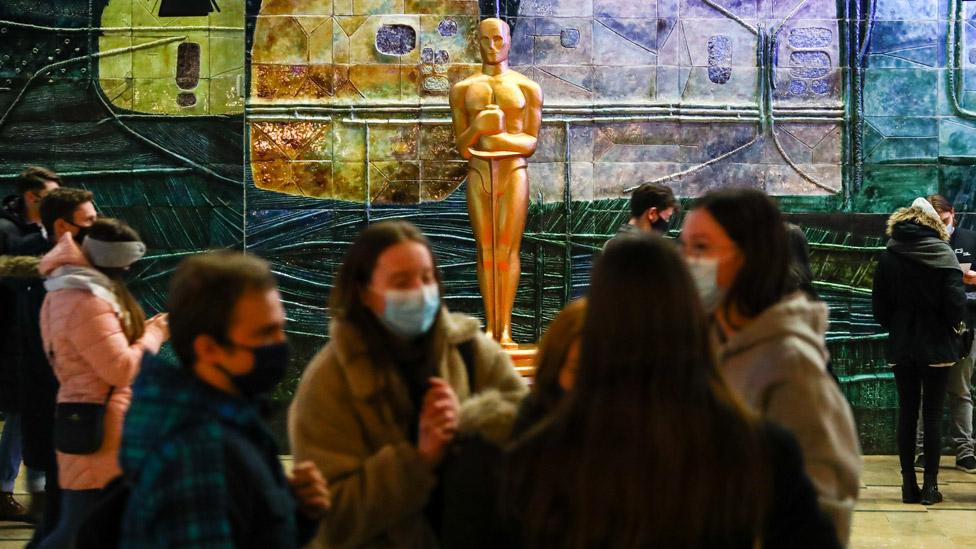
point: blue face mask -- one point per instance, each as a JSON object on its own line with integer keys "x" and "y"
{"x": 411, "y": 313}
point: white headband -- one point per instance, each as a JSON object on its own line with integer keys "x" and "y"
{"x": 112, "y": 254}
{"x": 926, "y": 207}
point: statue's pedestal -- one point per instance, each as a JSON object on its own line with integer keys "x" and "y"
{"x": 523, "y": 357}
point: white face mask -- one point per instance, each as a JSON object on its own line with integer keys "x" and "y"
{"x": 704, "y": 271}
{"x": 950, "y": 228}
{"x": 410, "y": 313}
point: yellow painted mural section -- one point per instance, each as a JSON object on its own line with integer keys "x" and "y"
{"x": 201, "y": 73}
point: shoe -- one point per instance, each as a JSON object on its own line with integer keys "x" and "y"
{"x": 10, "y": 509}
{"x": 931, "y": 494}
{"x": 920, "y": 463}
{"x": 967, "y": 464}
{"x": 910, "y": 492}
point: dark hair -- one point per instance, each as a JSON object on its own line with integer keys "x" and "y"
{"x": 941, "y": 204}
{"x": 204, "y": 292}
{"x": 34, "y": 178}
{"x": 753, "y": 221}
{"x": 651, "y": 195}
{"x": 564, "y": 330}
{"x": 61, "y": 203}
{"x": 345, "y": 300}
{"x": 630, "y": 457}
{"x": 800, "y": 261}
{"x": 115, "y": 230}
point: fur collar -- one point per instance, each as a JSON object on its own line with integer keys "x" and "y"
{"x": 350, "y": 347}
{"x": 920, "y": 217}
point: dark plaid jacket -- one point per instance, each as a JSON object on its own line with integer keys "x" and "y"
{"x": 203, "y": 468}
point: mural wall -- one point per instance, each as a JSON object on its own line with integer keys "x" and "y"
{"x": 285, "y": 126}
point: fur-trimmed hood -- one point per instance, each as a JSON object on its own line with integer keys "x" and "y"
{"x": 19, "y": 266}
{"x": 917, "y": 216}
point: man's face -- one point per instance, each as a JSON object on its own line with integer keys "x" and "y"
{"x": 495, "y": 41}
{"x": 258, "y": 320}
{"x": 33, "y": 198}
{"x": 948, "y": 218}
{"x": 83, "y": 216}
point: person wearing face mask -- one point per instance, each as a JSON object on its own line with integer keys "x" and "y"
{"x": 651, "y": 208}
{"x": 201, "y": 463}
{"x": 960, "y": 383}
{"x": 400, "y": 379}
{"x": 770, "y": 337}
{"x": 20, "y": 219}
{"x": 919, "y": 298}
{"x": 62, "y": 211}
{"x": 94, "y": 334}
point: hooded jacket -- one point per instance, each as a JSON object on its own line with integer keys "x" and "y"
{"x": 202, "y": 468}
{"x": 777, "y": 364}
{"x": 918, "y": 293}
{"x": 343, "y": 420}
{"x": 84, "y": 340}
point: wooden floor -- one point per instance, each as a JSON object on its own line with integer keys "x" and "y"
{"x": 881, "y": 519}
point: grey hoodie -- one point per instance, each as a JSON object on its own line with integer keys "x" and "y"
{"x": 777, "y": 364}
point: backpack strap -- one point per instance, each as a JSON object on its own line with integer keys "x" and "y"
{"x": 466, "y": 348}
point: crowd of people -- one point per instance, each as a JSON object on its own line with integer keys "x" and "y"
{"x": 686, "y": 401}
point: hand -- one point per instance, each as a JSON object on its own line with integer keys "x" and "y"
{"x": 310, "y": 489}
{"x": 490, "y": 121}
{"x": 438, "y": 422}
{"x": 161, "y": 322}
{"x": 969, "y": 277}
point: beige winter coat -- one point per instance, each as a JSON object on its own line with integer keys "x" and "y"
{"x": 778, "y": 365}
{"x": 341, "y": 420}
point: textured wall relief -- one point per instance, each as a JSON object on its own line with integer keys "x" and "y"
{"x": 159, "y": 61}
{"x": 672, "y": 74}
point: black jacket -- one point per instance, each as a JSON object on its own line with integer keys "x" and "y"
{"x": 919, "y": 302}
{"x": 17, "y": 236}
{"x": 963, "y": 243}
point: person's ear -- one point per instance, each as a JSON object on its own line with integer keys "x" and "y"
{"x": 206, "y": 349}
{"x": 652, "y": 214}
{"x": 60, "y": 227}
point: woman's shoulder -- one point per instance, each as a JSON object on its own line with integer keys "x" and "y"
{"x": 323, "y": 370}
{"x": 72, "y": 303}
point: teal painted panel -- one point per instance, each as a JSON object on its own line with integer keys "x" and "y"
{"x": 901, "y": 92}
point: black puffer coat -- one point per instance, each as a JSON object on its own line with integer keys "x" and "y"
{"x": 918, "y": 291}
{"x": 15, "y": 233}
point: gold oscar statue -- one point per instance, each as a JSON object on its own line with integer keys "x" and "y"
{"x": 497, "y": 115}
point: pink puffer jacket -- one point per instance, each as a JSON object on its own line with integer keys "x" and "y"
{"x": 91, "y": 354}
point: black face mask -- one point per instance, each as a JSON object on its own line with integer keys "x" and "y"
{"x": 270, "y": 365}
{"x": 81, "y": 234}
{"x": 661, "y": 225}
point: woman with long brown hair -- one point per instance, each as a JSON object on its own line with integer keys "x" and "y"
{"x": 95, "y": 334}
{"x": 400, "y": 378}
{"x": 650, "y": 448}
